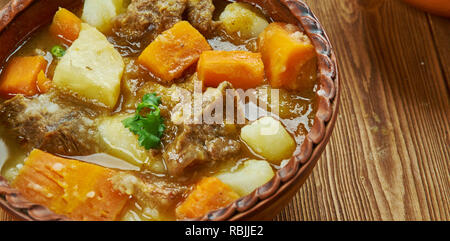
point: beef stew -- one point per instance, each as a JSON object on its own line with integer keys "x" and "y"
{"x": 142, "y": 96}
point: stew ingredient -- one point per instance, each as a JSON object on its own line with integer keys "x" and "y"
{"x": 242, "y": 69}
{"x": 285, "y": 51}
{"x": 65, "y": 25}
{"x": 76, "y": 189}
{"x": 148, "y": 127}
{"x": 21, "y": 75}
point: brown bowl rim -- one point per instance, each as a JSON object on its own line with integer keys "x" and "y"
{"x": 298, "y": 167}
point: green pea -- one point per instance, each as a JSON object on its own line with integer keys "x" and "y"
{"x": 58, "y": 51}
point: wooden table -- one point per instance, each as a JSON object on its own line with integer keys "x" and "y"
{"x": 389, "y": 156}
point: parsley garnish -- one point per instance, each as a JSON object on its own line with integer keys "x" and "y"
{"x": 149, "y": 127}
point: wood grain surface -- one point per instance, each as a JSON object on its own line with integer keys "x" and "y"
{"x": 388, "y": 158}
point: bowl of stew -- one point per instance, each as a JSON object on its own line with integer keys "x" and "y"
{"x": 161, "y": 109}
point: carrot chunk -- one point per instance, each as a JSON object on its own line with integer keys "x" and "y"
{"x": 209, "y": 194}
{"x": 289, "y": 57}
{"x": 241, "y": 68}
{"x": 43, "y": 83}
{"x": 20, "y": 76}
{"x": 173, "y": 51}
{"x": 65, "y": 25}
{"x": 79, "y": 190}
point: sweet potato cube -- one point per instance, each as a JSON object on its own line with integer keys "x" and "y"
{"x": 289, "y": 57}
{"x": 173, "y": 51}
{"x": 241, "y": 68}
{"x": 209, "y": 194}
{"x": 20, "y": 76}
{"x": 79, "y": 190}
{"x": 65, "y": 25}
{"x": 43, "y": 83}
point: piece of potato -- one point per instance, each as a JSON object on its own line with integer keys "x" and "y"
{"x": 243, "y": 19}
{"x": 91, "y": 68}
{"x": 120, "y": 142}
{"x": 268, "y": 138}
{"x": 76, "y": 189}
{"x": 99, "y": 13}
{"x": 289, "y": 57}
{"x": 173, "y": 51}
{"x": 252, "y": 174}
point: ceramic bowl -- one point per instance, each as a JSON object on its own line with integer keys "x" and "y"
{"x": 20, "y": 18}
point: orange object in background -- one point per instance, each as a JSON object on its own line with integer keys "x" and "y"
{"x": 79, "y": 190}
{"x": 289, "y": 57}
{"x": 209, "y": 194}
{"x": 439, "y": 7}
{"x": 241, "y": 68}
{"x": 20, "y": 76}
{"x": 65, "y": 25}
{"x": 173, "y": 51}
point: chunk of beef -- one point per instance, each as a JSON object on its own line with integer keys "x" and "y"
{"x": 199, "y": 143}
{"x": 221, "y": 147}
{"x": 184, "y": 111}
{"x": 200, "y": 14}
{"x": 150, "y": 192}
{"x": 145, "y": 19}
{"x": 49, "y": 124}
{"x": 144, "y": 15}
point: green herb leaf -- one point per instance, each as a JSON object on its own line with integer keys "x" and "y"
{"x": 149, "y": 127}
{"x": 150, "y": 101}
{"x": 58, "y": 51}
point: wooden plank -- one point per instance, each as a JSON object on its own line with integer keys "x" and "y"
{"x": 388, "y": 158}
{"x": 441, "y": 35}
